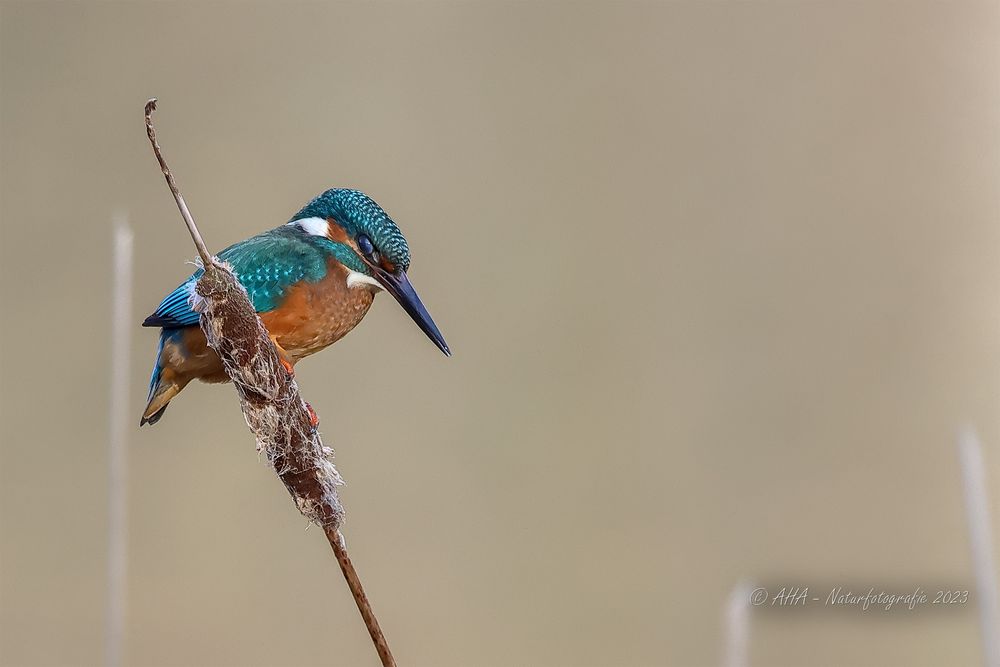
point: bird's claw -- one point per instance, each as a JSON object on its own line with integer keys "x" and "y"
{"x": 313, "y": 417}
{"x": 287, "y": 365}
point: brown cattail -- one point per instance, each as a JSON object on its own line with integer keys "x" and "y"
{"x": 282, "y": 422}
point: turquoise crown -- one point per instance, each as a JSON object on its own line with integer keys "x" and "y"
{"x": 358, "y": 214}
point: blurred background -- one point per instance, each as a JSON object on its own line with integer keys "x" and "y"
{"x": 721, "y": 282}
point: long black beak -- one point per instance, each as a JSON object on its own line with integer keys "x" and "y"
{"x": 398, "y": 285}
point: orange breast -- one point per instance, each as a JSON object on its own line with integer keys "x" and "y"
{"x": 316, "y": 315}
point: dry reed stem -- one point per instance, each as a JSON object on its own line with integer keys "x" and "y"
{"x": 118, "y": 421}
{"x": 977, "y": 512}
{"x": 274, "y": 410}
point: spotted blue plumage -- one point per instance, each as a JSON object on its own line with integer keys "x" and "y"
{"x": 267, "y": 265}
{"x": 270, "y": 264}
{"x": 358, "y": 213}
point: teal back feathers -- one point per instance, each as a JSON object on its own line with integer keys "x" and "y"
{"x": 269, "y": 264}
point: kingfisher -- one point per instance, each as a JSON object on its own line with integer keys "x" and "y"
{"x": 310, "y": 280}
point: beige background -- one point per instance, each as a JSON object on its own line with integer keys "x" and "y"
{"x": 721, "y": 280}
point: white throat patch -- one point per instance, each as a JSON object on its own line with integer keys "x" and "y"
{"x": 354, "y": 279}
{"x": 313, "y": 226}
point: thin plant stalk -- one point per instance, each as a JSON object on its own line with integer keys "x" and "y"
{"x": 977, "y": 513}
{"x": 121, "y": 334}
{"x": 276, "y": 413}
{"x": 736, "y": 619}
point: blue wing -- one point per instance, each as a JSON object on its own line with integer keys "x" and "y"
{"x": 267, "y": 265}
{"x": 175, "y": 310}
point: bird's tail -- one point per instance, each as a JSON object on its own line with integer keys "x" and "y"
{"x": 163, "y": 386}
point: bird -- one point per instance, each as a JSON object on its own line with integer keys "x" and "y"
{"x": 311, "y": 281}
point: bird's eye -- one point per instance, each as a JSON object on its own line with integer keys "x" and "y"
{"x": 365, "y": 246}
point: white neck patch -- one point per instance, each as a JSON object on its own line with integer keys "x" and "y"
{"x": 320, "y": 227}
{"x": 355, "y": 279}
{"x": 313, "y": 226}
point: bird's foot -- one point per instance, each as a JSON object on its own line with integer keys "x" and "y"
{"x": 313, "y": 417}
{"x": 283, "y": 357}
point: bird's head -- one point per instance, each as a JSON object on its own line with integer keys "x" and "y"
{"x": 365, "y": 240}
